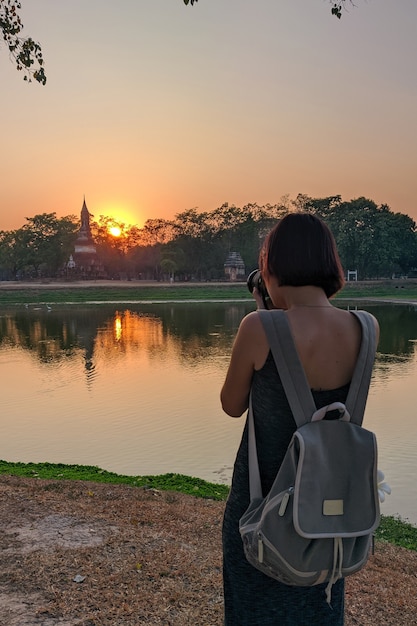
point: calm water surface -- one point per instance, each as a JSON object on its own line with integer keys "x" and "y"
{"x": 134, "y": 389}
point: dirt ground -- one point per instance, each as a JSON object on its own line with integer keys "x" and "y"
{"x": 76, "y": 553}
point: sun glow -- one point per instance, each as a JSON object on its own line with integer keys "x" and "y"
{"x": 116, "y": 231}
{"x": 119, "y": 213}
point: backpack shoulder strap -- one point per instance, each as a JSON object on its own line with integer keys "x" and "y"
{"x": 300, "y": 398}
{"x": 293, "y": 378}
{"x": 290, "y": 369}
{"x": 255, "y": 486}
{"x": 359, "y": 385}
{"x": 294, "y": 381}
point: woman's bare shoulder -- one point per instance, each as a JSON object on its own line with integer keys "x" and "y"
{"x": 250, "y": 318}
{"x": 250, "y": 324}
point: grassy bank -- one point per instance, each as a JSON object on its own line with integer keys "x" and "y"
{"x": 166, "y": 482}
{"x": 392, "y": 529}
{"x": 137, "y": 291}
{"x": 125, "y": 292}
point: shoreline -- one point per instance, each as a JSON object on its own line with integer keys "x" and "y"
{"x": 142, "y": 291}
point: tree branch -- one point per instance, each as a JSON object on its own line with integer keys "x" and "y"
{"x": 25, "y": 52}
{"x": 337, "y": 7}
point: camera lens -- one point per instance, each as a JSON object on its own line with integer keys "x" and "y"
{"x": 254, "y": 280}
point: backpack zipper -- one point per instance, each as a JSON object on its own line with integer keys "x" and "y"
{"x": 281, "y": 512}
{"x": 285, "y": 500}
{"x": 260, "y": 549}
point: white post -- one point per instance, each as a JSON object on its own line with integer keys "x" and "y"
{"x": 352, "y": 275}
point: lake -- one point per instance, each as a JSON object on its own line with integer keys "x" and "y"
{"x": 134, "y": 388}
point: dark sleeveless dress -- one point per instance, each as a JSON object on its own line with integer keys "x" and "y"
{"x": 250, "y": 597}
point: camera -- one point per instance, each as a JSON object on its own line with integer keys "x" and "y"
{"x": 255, "y": 280}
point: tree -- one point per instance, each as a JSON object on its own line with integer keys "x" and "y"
{"x": 191, "y": 236}
{"x": 337, "y": 7}
{"x": 46, "y": 242}
{"x": 371, "y": 239}
{"x": 156, "y": 231}
{"x": 26, "y": 53}
{"x": 43, "y": 244}
{"x": 11, "y": 253}
{"x": 115, "y": 242}
{"x": 322, "y": 207}
{"x": 403, "y": 230}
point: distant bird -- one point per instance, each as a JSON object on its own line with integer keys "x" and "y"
{"x": 48, "y": 308}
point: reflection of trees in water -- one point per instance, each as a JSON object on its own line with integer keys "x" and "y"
{"x": 37, "y": 331}
{"x": 188, "y": 332}
{"x": 184, "y": 331}
{"x": 51, "y": 335}
{"x": 398, "y": 334}
{"x": 388, "y": 366}
{"x": 398, "y": 326}
{"x": 202, "y": 330}
{"x": 396, "y": 348}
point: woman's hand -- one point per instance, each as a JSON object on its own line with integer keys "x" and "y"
{"x": 262, "y": 302}
{"x": 258, "y": 299}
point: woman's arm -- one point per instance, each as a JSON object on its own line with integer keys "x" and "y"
{"x": 245, "y": 355}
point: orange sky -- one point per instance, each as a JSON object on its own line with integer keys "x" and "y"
{"x": 152, "y": 108}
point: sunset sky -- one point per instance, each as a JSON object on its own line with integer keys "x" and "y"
{"x": 152, "y": 108}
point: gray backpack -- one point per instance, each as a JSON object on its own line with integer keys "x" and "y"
{"x": 316, "y": 523}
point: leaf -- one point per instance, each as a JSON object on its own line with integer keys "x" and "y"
{"x": 337, "y": 10}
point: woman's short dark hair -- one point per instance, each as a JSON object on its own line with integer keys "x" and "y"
{"x": 300, "y": 250}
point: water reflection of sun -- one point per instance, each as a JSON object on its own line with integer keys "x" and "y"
{"x": 131, "y": 332}
{"x": 118, "y": 327}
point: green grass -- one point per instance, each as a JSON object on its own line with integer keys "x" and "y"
{"x": 392, "y": 529}
{"x": 397, "y": 531}
{"x": 393, "y": 290}
{"x": 166, "y": 482}
{"x": 135, "y": 291}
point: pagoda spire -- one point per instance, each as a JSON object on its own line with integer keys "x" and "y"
{"x": 85, "y": 258}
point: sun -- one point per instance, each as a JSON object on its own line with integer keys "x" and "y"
{"x": 118, "y": 214}
{"x": 116, "y": 231}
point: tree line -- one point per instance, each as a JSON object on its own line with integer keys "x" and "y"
{"x": 371, "y": 239}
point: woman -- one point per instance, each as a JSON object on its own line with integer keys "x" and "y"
{"x": 301, "y": 270}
